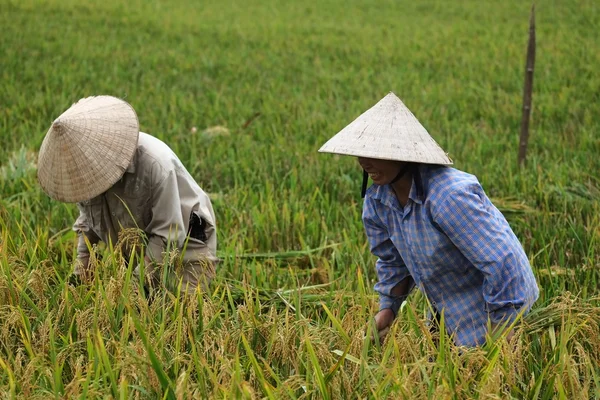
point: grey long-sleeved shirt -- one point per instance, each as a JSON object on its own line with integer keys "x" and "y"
{"x": 157, "y": 195}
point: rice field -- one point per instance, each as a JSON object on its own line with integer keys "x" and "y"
{"x": 245, "y": 93}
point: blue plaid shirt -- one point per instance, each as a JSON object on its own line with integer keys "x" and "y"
{"x": 458, "y": 248}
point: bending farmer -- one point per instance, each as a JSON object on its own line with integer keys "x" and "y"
{"x": 94, "y": 155}
{"x": 434, "y": 227}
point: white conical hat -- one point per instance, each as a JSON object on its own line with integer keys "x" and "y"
{"x": 387, "y": 131}
{"x": 88, "y": 148}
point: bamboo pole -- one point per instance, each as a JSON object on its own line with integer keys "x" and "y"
{"x": 527, "y": 89}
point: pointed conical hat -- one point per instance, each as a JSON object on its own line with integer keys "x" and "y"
{"x": 387, "y": 131}
{"x": 88, "y": 149}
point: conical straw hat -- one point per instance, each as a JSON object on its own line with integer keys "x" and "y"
{"x": 387, "y": 131}
{"x": 88, "y": 149}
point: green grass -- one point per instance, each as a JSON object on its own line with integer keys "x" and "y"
{"x": 308, "y": 69}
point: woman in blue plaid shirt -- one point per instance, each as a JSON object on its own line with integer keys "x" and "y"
{"x": 433, "y": 227}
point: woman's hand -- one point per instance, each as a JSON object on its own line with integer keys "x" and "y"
{"x": 82, "y": 273}
{"x": 383, "y": 322}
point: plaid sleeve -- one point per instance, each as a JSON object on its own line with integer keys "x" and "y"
{"x": 390, "y": 267}
{"x": 483, "y": 236}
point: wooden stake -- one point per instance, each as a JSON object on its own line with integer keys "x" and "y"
{"x": 527, "y": 90}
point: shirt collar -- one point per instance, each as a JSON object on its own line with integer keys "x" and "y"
{"x": 414, "y": 193}
{"x": 384, "y": 194}
{"x": 131, "y": 167}
{"x": 380, "y": 193}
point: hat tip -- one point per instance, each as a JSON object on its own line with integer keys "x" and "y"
{"x": 57, "y": 126}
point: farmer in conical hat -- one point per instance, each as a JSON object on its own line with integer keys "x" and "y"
{"x": 94, "y": 155}
{"x": 433, "y": 227}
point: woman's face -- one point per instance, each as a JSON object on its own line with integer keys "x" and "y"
{"x": 382, "y": 172}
